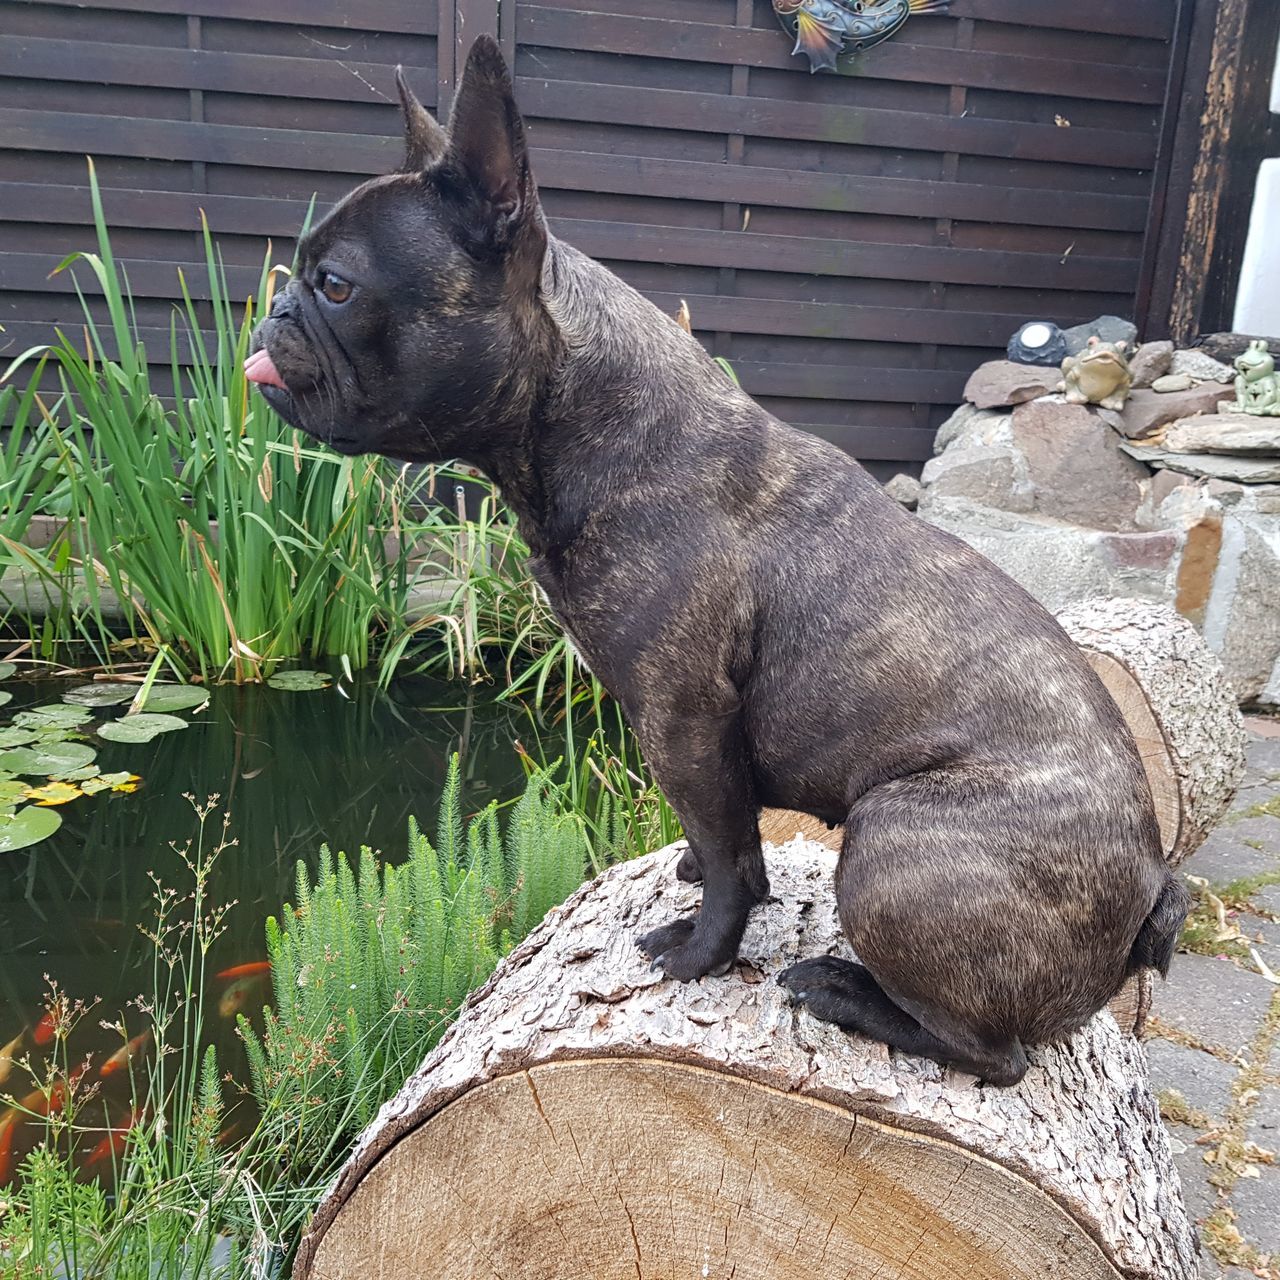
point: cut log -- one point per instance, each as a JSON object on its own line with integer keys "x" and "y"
{"x": 1176, "y": 699}
{"x": 586, "y": 1117}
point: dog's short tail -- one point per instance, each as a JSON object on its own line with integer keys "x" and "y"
{"x": 1158, "y": 938}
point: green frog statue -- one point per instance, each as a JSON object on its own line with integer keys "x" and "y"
{"x": 1098, "y": 375}
{"x": 1257, "y": 384}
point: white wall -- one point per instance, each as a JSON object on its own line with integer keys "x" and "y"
{"x": 1258, "y": 298}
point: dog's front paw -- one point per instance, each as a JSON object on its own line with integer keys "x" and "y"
{"x": 678, "y": 950}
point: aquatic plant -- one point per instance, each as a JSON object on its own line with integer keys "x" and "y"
{"x": 207, "y": 521}
{"x": 374, "y": 959}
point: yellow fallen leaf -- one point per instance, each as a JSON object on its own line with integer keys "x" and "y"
{"x": 54, "y": 793}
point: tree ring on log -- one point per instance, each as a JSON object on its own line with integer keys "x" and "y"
{"x": 616, "y": 1169}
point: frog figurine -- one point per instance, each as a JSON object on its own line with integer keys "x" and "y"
{"x": 1098, "y": 375}
{"x": 1257, "y": 385}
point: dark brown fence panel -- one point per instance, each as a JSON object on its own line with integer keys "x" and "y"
{"x": 853, "y": 244}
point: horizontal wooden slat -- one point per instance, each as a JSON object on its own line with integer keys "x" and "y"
{"x": 850, "y": 382}
{"x": 808, "y": 256}
{"x": 897, "y": 60}
{"x": 1147, "y": 19}
{"x": 403, "y": 17}
{"x": 776, "y": 379}
{"x": 213, "y": 143}
{"x": 29, "y": 273}
{"x": 624, "y": 175}
{"x": 366, "y": 153}
{"x": 869, "y": 442}
{"x": 95, "y": 62}
{"x": 857, "y": 126}
{"x": 630, "y": 243}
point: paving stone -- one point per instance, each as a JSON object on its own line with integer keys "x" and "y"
{"x": 1263, "y": 1124}
{"x": 1248, "y": 847}
{"x": 1269, "y": 900}
{"x": 1256, "y": 1202}
{"x": 1203, "y": 1080}
{"x": 1214, "y": 1001}
{"x": 1198, "y": 1193}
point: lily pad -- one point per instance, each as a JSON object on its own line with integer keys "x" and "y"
{"x": 56, "y": 716}
{"x": 77, "y": 775}
{"x": 6, "y": 670}
{"x": 175, "y": 697}
{"x": 5, "y": 696}
{"x": 46, "y": 758}
{"x": 106, "y": 693}
{"x": 11, "y": 737}
{"x": 26, "y": 826}
{"x": 11, "y": 791}
{"x": 299, "y": 681}
{"x": 135, "y": 728}
{"x": 111, "y": 782}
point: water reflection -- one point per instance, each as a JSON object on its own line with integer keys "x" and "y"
{"x": 293, "y": 770}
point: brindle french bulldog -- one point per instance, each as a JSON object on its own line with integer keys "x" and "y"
{"x": 779, "y": 632}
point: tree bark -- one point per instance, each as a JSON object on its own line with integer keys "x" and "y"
{"x": 1176, "y": 699}
{"x": 585, "y": 1117}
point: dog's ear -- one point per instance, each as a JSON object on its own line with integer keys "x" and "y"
{"x": 488, "y": 159}
{"x": 424, "y": 140}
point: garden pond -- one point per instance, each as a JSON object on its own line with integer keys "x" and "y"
{"x": 343, "y": 765}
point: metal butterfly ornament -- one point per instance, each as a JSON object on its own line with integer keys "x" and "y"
{"x": 825, "y": 30}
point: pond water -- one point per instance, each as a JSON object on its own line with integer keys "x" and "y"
{"x": 293, "y": 770}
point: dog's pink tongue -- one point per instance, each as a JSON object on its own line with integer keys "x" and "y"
{"x": 259, "y": 367}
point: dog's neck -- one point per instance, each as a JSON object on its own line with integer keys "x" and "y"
{"x": 624, "y": 396}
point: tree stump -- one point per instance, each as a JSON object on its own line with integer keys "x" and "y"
{"x": 586, "y": 1117}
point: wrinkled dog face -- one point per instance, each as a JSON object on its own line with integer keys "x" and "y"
{"x": 402, "y": 329}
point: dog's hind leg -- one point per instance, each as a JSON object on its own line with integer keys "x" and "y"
{"x": 703, "y": 766}
{"x": 845, "y": 993}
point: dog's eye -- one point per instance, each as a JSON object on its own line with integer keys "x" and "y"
{"x": 335, "y": 288}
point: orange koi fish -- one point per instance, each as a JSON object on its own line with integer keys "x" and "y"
{"x": 45, "y": 1028}
{"x": 113, "y": 1145}
{"x": 7, "y": 1055}
{"x": 254, "y": 969}
{"x": 124, "y": 1055}
{"x": 236, "y": 996}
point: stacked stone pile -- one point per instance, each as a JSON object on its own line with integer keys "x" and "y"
{"x": 1174, "y": 498}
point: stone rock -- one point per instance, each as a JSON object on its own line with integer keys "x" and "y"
{"x": 1213, "y": 466}
{"x": 1173, "y": 382}
{"x": 1147, "y": 411}
{"x": 905, "y": 489}
{"x": 1000, "y": 383}
{"x": 993, "y": 475}
{"x": 1062, "y": 563}
{"x": 1105, "y": 329}
{"x": 1201, "y": 367}
{"x": 1242, "y": 620}
{"x": 974, "y": 427}
{"x": 1228, "y": 347}
{"x": 1225, "y": 492}
{"x": 1224, "y": 433}
{"x": 1151, "y": 361}
{"x": 1075, "y": 465}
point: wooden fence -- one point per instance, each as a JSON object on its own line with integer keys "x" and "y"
{"x": 855, "y": 244}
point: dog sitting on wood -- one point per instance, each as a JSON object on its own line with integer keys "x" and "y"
{"x": 779, "y": 632}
